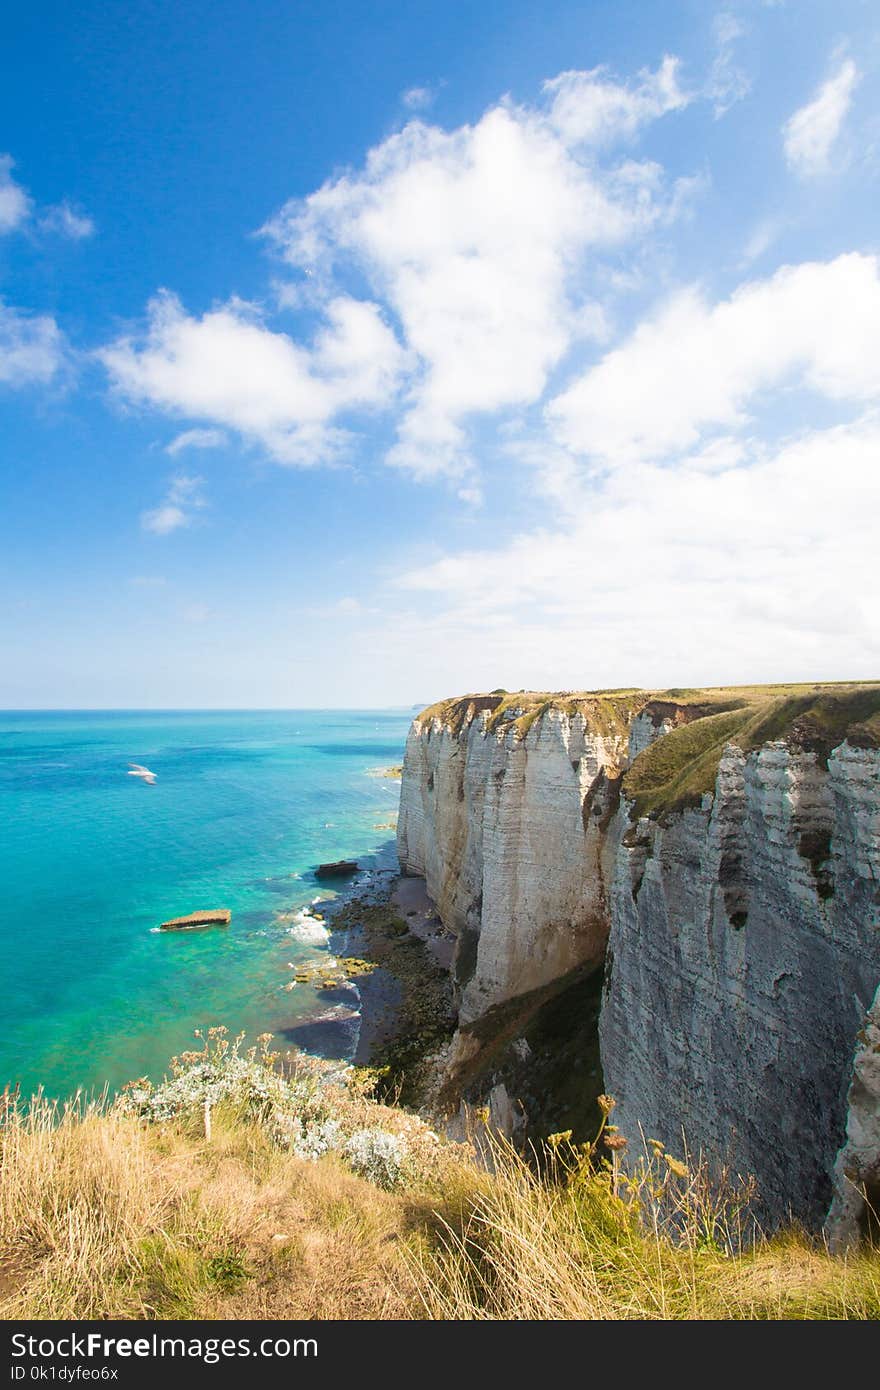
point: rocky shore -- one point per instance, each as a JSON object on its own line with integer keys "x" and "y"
{"x": 407, "y": 1009}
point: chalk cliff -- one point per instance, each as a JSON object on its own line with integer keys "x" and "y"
{"x": 719, "y": 851}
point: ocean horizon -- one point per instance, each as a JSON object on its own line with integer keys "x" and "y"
{"x": 245, "y": 804}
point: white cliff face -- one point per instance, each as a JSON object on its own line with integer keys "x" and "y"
{"x": 644, "y": 730}
{"x": 743, "y": 933}
{"x": 744, "y": 951}
{"x": 508, "y": 834}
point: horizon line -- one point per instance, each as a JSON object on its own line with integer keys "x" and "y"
{"x": 198, "y": 709}
{"x": 407, "y": 705}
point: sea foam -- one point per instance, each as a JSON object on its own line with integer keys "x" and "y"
{"x": 308, "y": 929}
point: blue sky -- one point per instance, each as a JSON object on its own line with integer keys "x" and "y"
{"x": 367, "y": 353}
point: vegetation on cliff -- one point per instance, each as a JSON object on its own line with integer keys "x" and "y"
{"x": 676, "y": 770}
{"x": 191, "y": 1201}
{"x": 605, "y": 711}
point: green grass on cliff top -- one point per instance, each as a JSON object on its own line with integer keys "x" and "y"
{"x": 606, "y": 711}
{"x": 677, "y": 769}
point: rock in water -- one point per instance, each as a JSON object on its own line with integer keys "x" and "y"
{"x": 220, "y": 917}
{"x": 342, "y": 868}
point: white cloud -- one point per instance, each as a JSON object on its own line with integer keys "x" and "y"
{"x": 728, "y": 83}
{"x": 228, "y": 368}
{"x": 196, "y": 439}
{"x": 418, "y": 98}
{"x": 759, "y": 241}
{"x": 694, "y": 366}
{"x": 479, "y": 241}
{"x": 164, "y": 519}
{"x": 177, "y": 509}
{"x": 31, "y": 347}
{"x": 63, "y": 220}
{"x": 591, "y": 108}
{"x": 810, "y": 134}
{"x": 15, "y": 205}
{"x": 759, "y": 566}
{"x": 472, "y": 495}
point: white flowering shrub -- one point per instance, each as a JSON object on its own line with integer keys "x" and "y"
{"x": 297, "y": 1109}
{"x": 307, "y": 1139}
{"x": 234, "y": 1080}
{"x": 377, "y": 1155}
{"x": 290, "y": 1107}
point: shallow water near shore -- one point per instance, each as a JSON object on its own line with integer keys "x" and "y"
{"x": 244, "y": 807}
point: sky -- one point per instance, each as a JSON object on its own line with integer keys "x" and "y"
{"x": 362, "y": 354}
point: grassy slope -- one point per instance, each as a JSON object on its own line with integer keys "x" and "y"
{"x": 677, "y": 769}
{"x": 104, "y": 1216}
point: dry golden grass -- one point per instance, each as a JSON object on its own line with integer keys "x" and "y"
{"x": 103, "y": 1216}
{"x": 576, "y": 1249}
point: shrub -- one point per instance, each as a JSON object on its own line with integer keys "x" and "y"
{"x": 378, "y": 1156}
{"x": 295, "y": 1109}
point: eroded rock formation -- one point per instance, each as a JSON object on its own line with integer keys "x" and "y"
{"x": 720, "y": 852}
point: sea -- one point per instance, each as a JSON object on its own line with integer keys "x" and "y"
{"x": 244, "y": 807}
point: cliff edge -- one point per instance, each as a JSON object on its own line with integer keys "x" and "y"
{"x": 712, "y": 859}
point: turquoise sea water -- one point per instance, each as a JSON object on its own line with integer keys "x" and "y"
{"x": 244, "y": 807}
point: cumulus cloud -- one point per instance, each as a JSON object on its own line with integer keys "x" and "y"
{"x": 479, "y": 239}
{"x": 182, "y": 500}
{"x": 15, "y": 205}
{"x": 810, "y": 134}
{"x": 754, "y": 565}
{"x": 32, "y": 348}
{"x": 592, "y": 108}
{"x": 686, "y": 536}
{"x": 694, "y": 366}
{"x": 478, "y": 253}
{"x": 699, "y": 552}
{"x": 65, "y": 221}
{"x": 227, "y": 367}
